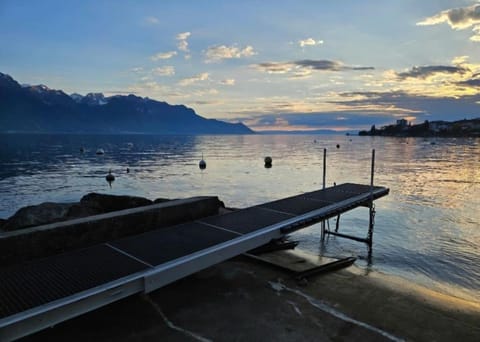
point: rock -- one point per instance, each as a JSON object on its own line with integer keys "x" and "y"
{"x": 90, "y": 204}
{"x": 161, "y": 200}
{"x": 36, "y": 215}
{"x": 94, "y": 203}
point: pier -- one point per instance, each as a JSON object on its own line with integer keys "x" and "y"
{"x": 40, "y": 293}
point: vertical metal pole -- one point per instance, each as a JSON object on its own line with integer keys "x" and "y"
{"x": 324, "y": 184}
{"x": 371, "y": 208}
{"x": 372, "y": 171}
{"x": 324, "y": 166}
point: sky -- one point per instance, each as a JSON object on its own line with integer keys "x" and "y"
{"x": 273, "y": 65}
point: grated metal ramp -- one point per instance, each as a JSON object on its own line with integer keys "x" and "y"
{"x": 35, "y": 283}
{"x": 247, "y": 220}
{"x": 163, "y": 245}
{"x": 44, "y": 292}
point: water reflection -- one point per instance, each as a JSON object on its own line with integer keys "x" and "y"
{"x": 426, "y": 229}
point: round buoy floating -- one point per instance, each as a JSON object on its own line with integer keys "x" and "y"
{"x": 338, "y": 145}
{"x": 128, "y": 170}
{"x": 268, "y": 162}
{"x": 100, "y": 151}
{"x": 110, "y": 178}
{"x": 82, "y": 149}
{"x": 202, "y": 164}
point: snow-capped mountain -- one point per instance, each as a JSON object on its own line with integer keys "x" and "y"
{"x": 94, "y": 99}
{"x": 41, "y": 109}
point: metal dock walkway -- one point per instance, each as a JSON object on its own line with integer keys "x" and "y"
{"x": 41, "y": 293}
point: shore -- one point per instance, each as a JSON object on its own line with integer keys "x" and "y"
{"x": 245, "y": 300}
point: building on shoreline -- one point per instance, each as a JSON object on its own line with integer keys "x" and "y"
{"x": 403, "y": 128}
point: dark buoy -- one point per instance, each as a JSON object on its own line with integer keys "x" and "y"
{"x": 128, "y": 170}
{"x": 268, "y": 162}
{"x": 202, "y": 164}
{"x": 82, "y": 149}
{"x": 110, "y": 178}
{"x": 100, "y": 151}
{"x": 338, "y": 145}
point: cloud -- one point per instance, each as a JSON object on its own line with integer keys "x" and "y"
{"x": 301, "y": 74}
{"x": 137, "y": 70}
{"x": 328, "y": 65}
{"x": 401, "y": 103}
{"x": 476, "y": 35}
{"x": 167, "y": 70}
{"x": 183, "y": 35}
{"x": 458, "y": 19}
{"x": 220, "y": 52}
{"x": 194, "y": 79}
{"x": 118, "y": 92}
{"x": 275, "y": 67}
{"x": 163, "y": 55}
{"x": 305, "y": 64}
{"x": 206, "y": 103}
{"x": 459, "y": 60}
{"x": 152, "y": 20}
{"x": 309, "y": 42}
{"x": 228, "y": 81}
{"x": 423, "y": 72}
{"x": 182, "y": 43}
{"x": 472, "y": 82}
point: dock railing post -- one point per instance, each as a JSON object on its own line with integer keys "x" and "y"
{"x": 371, "y": 207}
{"x": 324, "y": 184}
{"x": 324, "y": 166}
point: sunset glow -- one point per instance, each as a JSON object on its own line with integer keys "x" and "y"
{"x": 274, "y": 66}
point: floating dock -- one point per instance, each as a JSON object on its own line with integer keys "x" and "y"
{"x": 44, "y": 292}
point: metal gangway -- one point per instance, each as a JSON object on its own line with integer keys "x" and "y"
{"x": 40, "y": 293}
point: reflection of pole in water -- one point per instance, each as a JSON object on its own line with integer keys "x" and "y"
{"x": 110, "y": 178}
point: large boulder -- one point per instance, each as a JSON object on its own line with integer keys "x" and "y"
{"x": 91, "y": 204}
{"x": 35, "y": 215}
{"x": 94, "y": 203}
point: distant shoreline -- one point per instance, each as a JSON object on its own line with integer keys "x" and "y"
{"x": 455, "y": 129}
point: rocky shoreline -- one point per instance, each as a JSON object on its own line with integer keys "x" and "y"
{"x": 89, "y": 205}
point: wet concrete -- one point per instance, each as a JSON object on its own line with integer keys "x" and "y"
{"x": 243, "y": 300}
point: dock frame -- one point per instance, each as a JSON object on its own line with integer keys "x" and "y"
{"x": 325, "y": 228}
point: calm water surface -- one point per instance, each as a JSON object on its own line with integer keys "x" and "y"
{"x": 427, "y": 230}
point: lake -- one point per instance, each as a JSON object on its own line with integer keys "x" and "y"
{"x": 427, "y": 230}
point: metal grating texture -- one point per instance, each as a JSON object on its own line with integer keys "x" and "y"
{"x": 355, "y": 188}
{"x": 166, "y": 244}
{"x": 247, "y": 220}
{"x": 297, "y": 205}
{"x": 32, "y": 284}
{"x": 330, "y": 195}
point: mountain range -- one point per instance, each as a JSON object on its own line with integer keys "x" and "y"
{"x": 37, "y": 108}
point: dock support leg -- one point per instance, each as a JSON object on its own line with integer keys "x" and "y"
{"x": 322, "y": 231}
{"x": 322, "y": 234}
{"x": 337, "y": 224}
{"x": 371, "y": 224}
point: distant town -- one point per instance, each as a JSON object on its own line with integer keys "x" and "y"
{"x": 404, "y": 128}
